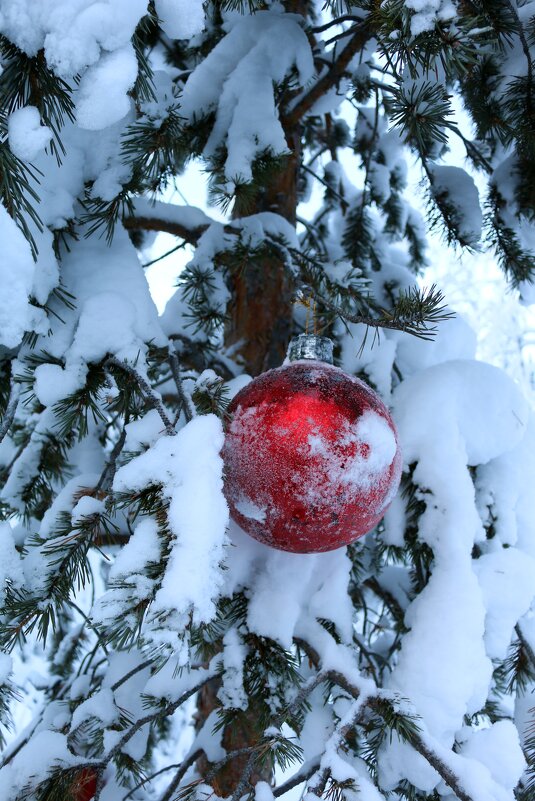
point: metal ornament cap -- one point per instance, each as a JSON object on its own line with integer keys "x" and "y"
{"x": 311, "y": 346}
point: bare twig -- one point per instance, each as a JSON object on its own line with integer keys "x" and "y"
{"x": 164, "y": 255}
{"x": 181, "y": 772}
{"x": 337, "y": 21}
{"x": 11, "y": 410}
{"x": 185, "y": 400}
{"x": 155, "y": 223}
{"x": 137, "y": 669}
{"x": 148, "y": 779}
{"x": 304, "y": 773}
{"x": 147, "y": 391}
{"x": 106, "y": 478}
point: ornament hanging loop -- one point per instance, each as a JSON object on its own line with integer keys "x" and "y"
{"x": 311, "y": 346}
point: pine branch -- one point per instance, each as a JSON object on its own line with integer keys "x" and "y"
{"x": 416, "y": 739}
{"x": 415, "y": 312}
{"x": 527, "y": 53}
{"x": 363, "y": 32}
{"x": 167, "y": 710}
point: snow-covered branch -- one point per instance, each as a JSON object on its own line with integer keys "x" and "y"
{"x": 186, "y": 222}
{"x": 362, "y": 34}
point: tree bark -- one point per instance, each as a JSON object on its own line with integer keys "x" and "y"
{"x": 259, "y": 330}
{"x": 260, "y": 313}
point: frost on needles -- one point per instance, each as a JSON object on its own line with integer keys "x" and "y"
{"x": 149, "y": 649}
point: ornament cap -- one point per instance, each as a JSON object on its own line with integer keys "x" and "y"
{"x": 311, "y": 346}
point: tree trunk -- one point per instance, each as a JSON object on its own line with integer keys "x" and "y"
{"x": 259, "y": 328}
{"x": 260, "y": 324}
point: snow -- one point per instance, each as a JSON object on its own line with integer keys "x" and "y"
{"x": 372, "y": 430}
{"x": 114, "y": 314}
{"x": 44, "y": 751}
{"x": 87, "y": 506}
{"x": 445, "y": 670}
{"x": 236, "y": 81}
{"x": 144, "y": 431}
{"x": 181, "y": 19}
{"x": 16, "y": 278}
{"x": 427, "y": 13}
{"x": 27, "y": 137}
{"x": 455, "y": 339}
{"x": 457, "y": 189}
{"x": 189, "y": 469}
{"x": 92, "y": 27}
{"x": 102, "y": 97}
{"x": 497, "y": 748}
{"x": 232, "y": 693}
{"x": 466, "y": 434}
{"x": 285, "y": 588}
{"x": 507, "y": 580}
{"x": 250, "y": 509}
{"x": 10, "y": 566}
{"x": 142, "y": 548}
{"x": 100, "y": 706}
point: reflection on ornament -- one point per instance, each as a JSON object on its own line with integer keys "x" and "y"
{"x": 311, "y": 456}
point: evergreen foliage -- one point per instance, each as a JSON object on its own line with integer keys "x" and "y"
{"x": 117, "y": 573}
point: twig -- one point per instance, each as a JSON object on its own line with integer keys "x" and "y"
{"x": 181, "y": 772}
{"x": 106, "y": 478}
{"x": 150, "y": 778}
{"x": 343, "y": 202}
{"x": 147, "y": 390}
{"x": 185, "y": 400}
{"x": 89, "y": 624}
{"x": 138, "y": 724}
{"x": 304, "y": 773}
{"x": 341, "y": 35}
{"x": 164, "y": 255}
{"x": 137, "y": 669}
{"x": 11, "y": 410}
{"x": 244, "y": 778}
{"x": 337, "y": 21}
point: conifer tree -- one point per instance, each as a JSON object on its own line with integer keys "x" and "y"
{"x": 150, "y": 649}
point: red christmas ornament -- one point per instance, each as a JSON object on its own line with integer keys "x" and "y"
{"x": 311, "y": 454}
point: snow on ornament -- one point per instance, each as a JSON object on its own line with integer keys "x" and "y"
{"x": 311, "y": 454}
